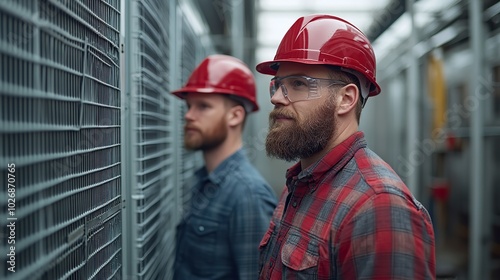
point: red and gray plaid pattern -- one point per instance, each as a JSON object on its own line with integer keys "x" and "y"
{"x": 349, "y": 216}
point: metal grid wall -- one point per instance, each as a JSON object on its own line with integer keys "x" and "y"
{"x": 60, "y": 126}
{"x": 149, "y": 142}
{"x": 189, "y": 60}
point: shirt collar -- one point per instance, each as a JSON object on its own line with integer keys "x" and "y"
{"x": 223, "y": 170}
{"x": 334, "y": 160}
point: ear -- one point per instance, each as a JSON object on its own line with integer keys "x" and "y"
{"x": 347, "y": 99}
{"x": 235, "y": 115}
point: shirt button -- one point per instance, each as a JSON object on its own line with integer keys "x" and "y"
{"x": 294, "y": 204}
{"x": 270, "y": 263}
{"x": 201, "y": 228}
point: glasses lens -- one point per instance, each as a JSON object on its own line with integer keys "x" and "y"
{"x": 273, "y": 86}
{"x": 298, "y": 87}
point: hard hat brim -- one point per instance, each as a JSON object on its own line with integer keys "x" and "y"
{"x": 181, "y": 93}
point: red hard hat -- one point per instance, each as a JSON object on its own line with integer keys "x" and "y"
{"x": 327, "y": 40}
{"x": 222, "y": 74}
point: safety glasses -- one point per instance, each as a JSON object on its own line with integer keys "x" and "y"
{"x": 298, "y": 88}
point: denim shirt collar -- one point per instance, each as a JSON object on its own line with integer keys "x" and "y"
{"x": 223, "y": 170}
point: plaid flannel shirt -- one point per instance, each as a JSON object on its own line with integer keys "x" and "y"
{"x": 348, "y": 216}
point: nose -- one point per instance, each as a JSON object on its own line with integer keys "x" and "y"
{"x": 189, "y": 116}
{"x": 279, "y": 97}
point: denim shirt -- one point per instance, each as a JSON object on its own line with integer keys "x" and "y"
{"x": 224, "y": 221}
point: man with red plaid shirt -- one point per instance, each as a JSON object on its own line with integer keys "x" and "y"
{"x": 345, "y": 213}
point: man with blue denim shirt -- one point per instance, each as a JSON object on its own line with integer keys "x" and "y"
{"x": 231, "y": 204}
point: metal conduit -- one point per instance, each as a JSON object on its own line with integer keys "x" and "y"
{"x": 478, "y": 249}
{"x": 413, "y": 102}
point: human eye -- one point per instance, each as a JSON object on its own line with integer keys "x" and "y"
{"x": 275, "y": 83}
{"x": 298, "y": 83}
{"x": 203, "y": 106}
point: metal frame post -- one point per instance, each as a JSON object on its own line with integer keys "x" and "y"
{"x": 478, "y": 249}
{"x": 237, "y": 28}
{"x": 413, "y": 103}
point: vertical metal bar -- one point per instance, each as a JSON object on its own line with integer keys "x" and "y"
{"x": 478, "y": 237}
{"x": 37, "y": 47}
{"x": 413, "y": 102}
{"x": 128, "y": 21}
{"x": 174, "y": 108}
{"x": 82, "y": 85}
{"x": 237, "y": 28}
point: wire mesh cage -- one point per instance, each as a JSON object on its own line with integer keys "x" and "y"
{"x": 150, "y": 229}
{"x": 60, "y": 130}
{"x": 188, "y": 63}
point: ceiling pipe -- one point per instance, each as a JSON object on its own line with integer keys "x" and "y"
{"x": 384, "y": 19}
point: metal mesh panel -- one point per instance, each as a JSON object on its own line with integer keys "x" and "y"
{"x": 151, "y": 167}
{"x": 60, "y": 126}
{"x": 188, "y": 63}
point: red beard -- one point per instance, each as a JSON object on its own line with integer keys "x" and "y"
{"x": 291, "y": 139}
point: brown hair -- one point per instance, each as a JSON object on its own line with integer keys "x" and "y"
{"x": 337, "y": 74}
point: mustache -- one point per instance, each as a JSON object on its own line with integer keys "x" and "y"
{"x": 280, "y": 113}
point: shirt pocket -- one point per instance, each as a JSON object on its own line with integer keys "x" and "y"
{"x": 203, "y": 241}
{"x": 300, "y": 256}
